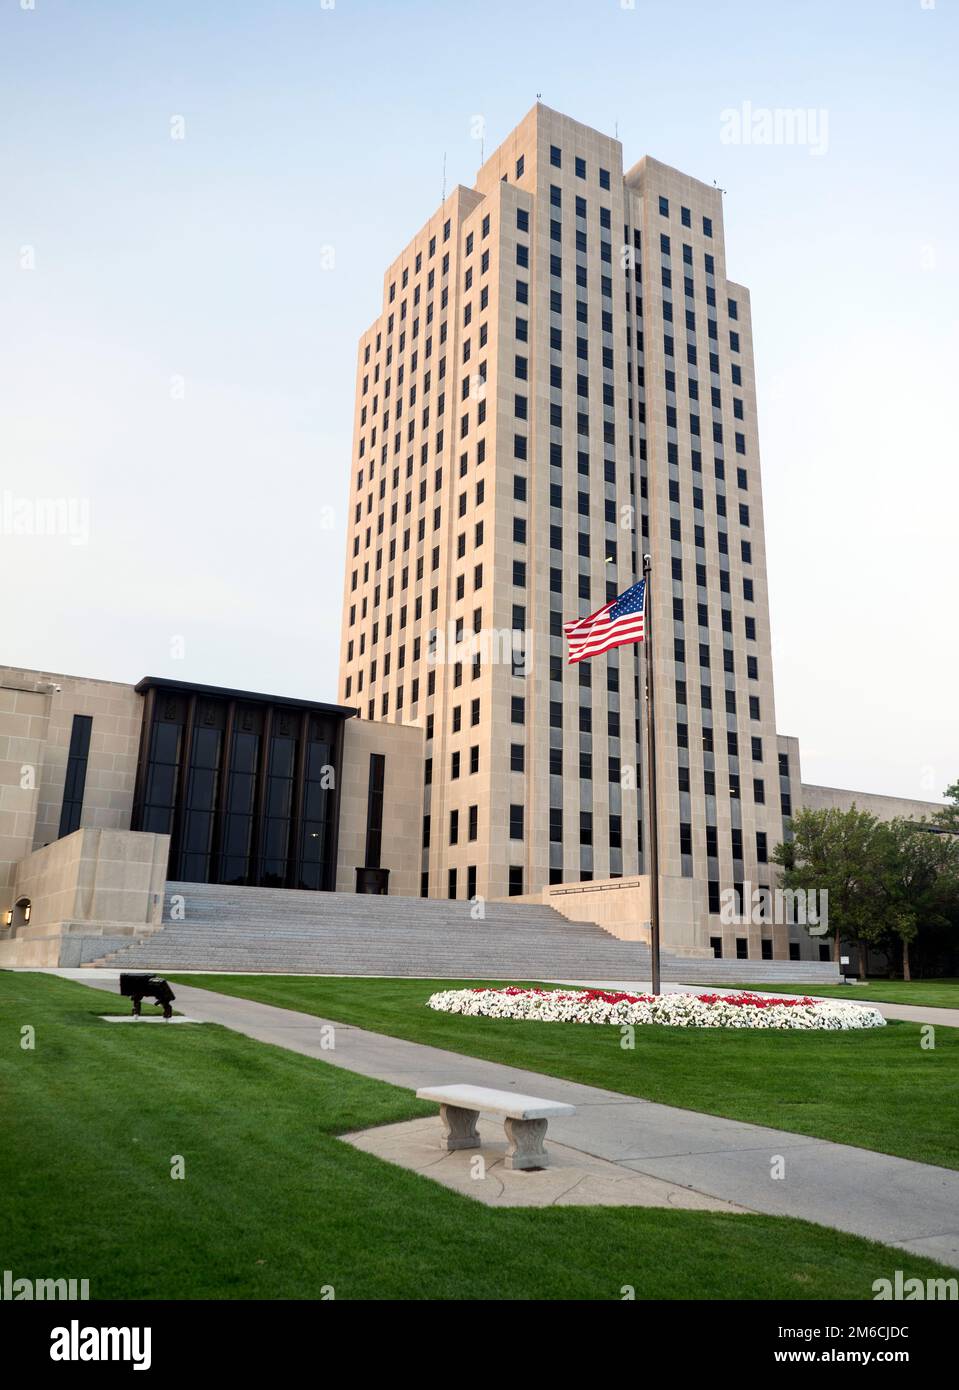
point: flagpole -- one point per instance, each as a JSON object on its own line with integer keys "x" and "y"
{"x": 651, "y": 790}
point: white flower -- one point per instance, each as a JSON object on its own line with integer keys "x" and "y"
{"x": 672, "y": 1010}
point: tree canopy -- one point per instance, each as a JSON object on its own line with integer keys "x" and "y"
{"x": 887, "y": 880}
{"x": 948, "y": 817}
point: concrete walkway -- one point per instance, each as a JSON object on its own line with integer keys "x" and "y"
{"x": 911, "y": 1205}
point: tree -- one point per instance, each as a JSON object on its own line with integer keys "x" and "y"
{"x": 948, "y": 817}
{"x": 843, "y": 853}
{"x": 921, "y": 880}
{"x": 887, "y": 880}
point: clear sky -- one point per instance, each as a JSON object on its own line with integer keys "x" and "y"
{"x": 180, "y": 315}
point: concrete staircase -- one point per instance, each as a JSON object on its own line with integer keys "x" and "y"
{"x": 285, "y": 931}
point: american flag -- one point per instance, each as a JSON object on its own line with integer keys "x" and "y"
{"x": 618, "y": 622}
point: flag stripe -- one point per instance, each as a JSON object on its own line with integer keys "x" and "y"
{"x": 618, "y": 622}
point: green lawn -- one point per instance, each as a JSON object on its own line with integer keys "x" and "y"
{"x": 274, "y": 1206}
{"x": 935, "y": 994}
{"x": 878, "y": 1088}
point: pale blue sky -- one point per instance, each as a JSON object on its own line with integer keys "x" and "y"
{"x": 201, "y": 259}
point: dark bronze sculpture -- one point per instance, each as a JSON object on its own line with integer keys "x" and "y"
{"x": 135, "y": 987}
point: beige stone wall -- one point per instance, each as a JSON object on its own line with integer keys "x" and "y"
{"x": 402, "y": 746}
{"x": 622, "y": 907}
{"x": 885, "y": 807}
{"x": 24, "y": 715}
{"x": 98, "y": 882}
{"x": 36, "y": 719}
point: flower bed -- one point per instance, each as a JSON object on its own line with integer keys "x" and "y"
{"x": 674, "y": 1010}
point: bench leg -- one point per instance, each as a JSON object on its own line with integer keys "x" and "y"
{"x": 459, "y": 1127}
{"x": 526, "y": 1144}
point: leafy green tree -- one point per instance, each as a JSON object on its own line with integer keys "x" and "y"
{"x": 948, "y": 817}
{"x": 886, "y": 880}
{"x": 921, "y": 880}
{"x": 845, "y": 854}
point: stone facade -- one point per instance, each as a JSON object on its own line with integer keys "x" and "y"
{"x": 561, "y": 379}
{"x": 402, "y": 746}
{"x": 103, "y": 883}
{"x": 37, "y": 709}
{"x": 104, "y": 879}
{"x": 885, "y": 807}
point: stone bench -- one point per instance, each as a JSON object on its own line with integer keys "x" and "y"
{"x": 525, "y": 1120}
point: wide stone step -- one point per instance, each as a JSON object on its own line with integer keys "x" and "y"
{"x": 293, "y": 931}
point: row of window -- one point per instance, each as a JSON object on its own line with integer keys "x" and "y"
{"x": 685, "y": 216}
{"x": 579, "y": 166}
{"x": 515, "y": 882}
{"x": 431, "y": 252}
{"x": 766, "y": 948}
{"x": 558, "y": 875}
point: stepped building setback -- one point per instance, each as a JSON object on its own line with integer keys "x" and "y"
{"x": 560, "y": 380}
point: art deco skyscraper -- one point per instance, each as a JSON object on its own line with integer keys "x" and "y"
{"x": 560, "y": 379}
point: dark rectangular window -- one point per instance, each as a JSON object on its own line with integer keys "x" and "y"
{"x": 76, "y": 778}
{"x": 278, "y": 805}
{"x": 163, "y": 762}
{"x": 195, "y": 840}
{"x": 241, "y": 794}
{"x": 245, "y": 790}
{"x": 374, "y": 810}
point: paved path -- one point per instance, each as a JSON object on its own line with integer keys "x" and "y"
{"x": 911, "y": 1205}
